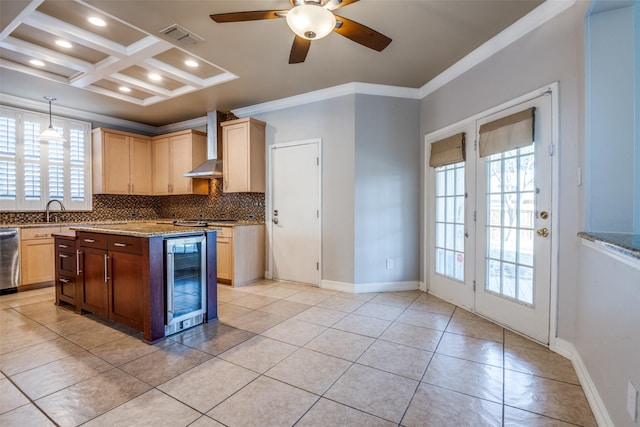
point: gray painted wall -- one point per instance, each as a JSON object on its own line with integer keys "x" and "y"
{"x": 334, "y": 122}
{"x": 387, "y": 189}
{"x": 553, "y": 52}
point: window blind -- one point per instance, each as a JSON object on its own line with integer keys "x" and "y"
{"x": 507, "y": 133}
{"x": 447, "y": 151}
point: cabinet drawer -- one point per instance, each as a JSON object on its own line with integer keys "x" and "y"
{"x": 67, "y": 287}
{"x": 67, "y": 262}
{"x": 92, "y": 240}
{"x": 33, "y": 233}
{"x": 128, "y": 244}
{"x": 223, "y": 231}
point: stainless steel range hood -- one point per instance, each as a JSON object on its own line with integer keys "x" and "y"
{"x": 212, "y": 168}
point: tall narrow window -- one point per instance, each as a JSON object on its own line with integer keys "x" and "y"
{"x": 450, "y": 221}
{"x": 7, "y": 158}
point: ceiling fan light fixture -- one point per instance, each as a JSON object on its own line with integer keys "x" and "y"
{"x": 50, "y": 134}
{"x": 311, "y": 21}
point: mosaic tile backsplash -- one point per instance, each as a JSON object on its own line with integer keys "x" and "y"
{"x": 116, "y": 207}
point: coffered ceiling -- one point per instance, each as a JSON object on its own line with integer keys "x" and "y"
{"x": 109, "y": 69}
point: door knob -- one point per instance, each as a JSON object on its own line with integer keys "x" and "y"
{"x": 275, "y": 220}
{"x": 543, "y": 232}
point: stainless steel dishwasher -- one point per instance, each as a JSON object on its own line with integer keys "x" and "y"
{"x": 9, "y": 260}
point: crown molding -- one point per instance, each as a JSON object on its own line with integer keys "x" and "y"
{"x": 328, "y": 93}
{"x": 534, "y": 19}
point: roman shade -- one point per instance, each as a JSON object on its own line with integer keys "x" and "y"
{"x": 507, "y": 133}
{"x": 447, "y": 151}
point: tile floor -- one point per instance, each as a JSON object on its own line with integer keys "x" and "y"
{"x": 283, "y": 354}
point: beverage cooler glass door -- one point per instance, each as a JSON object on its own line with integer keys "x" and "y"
{"x": 186, "y": 262}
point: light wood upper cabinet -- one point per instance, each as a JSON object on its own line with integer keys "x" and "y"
{"x": 243, "y": 148}
{"x": 175, "y": 154}
{"x": 121, "y": 162}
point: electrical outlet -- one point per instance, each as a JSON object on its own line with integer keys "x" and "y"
{"x": 389, "y": 263}
{"x": 632, "y": 401}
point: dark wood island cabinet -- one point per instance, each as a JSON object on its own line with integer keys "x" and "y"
{"x": 121, "y": 278}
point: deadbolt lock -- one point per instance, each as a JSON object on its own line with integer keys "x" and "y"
{"x": 543, "y": 232}
{"x": 544, "y": 214}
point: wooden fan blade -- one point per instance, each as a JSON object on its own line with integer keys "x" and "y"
{"x": 253, "y": 15}
{"x": 340, "y": 3}
{"x": 361, "y": 34}
{"x": 299, "y": 50}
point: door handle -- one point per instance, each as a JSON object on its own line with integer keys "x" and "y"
{"x": 78, "y": 271}
{"x": 275, "y": 220}
{"x": 543, "y": 232}
{"x": 106, "y": 269}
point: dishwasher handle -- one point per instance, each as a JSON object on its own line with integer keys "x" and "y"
{"x": 8, "y": 233}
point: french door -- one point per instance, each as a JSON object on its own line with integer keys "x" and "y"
{"x": 507, "y": 227}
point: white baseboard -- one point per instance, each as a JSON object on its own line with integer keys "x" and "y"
{"x": 361, "y": 288}
{"x": 568, "y": 350}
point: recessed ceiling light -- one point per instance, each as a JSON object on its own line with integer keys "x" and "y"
{"x": 191, "y": 63}
{"x": 125, "y": 89}
{"x": 36, "y": 62}
{"x": 98, "y": 22}
{"x": 63, "y": 43}
{"x": 155, "y": 77}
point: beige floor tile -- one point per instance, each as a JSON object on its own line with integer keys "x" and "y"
{"x": 363, "y": 297}
{"x": 123, "y": 350}
{"x": 279, "y": 292}
{"x": 375, "y": 392}
{"x": 208, "y": 384}
{"x": 413, "y": 336}
{"x": 258, "y": 354}
{"x": 328, "y": 413}
{"x": 229, "y": 311}
{"x": 256, "y": 321}
{"x": 397, "y": 359}
{"x": 205, "y": 421}
{"x": 554, "y": 399}
{"x": 95, "y": 335}
{"x": 83, "y": 401}
{"x": 398, "y": 299}
{"x": 476, "y": 328}
{"x": 253, "y": 301}
{"x": 37, "y": 355}
{"x": 10, "y": 317}
{"x": 309, "y": 370}
{"x": 424, "y": 319}
{"x": 473, "y": 349}
{"x": 60, "y": 374}
{"x": 228, "y": 294}
{"x": 168, "y": 362}
{"x": 25, "y": 335}
{"x": 10, "y": 397}
{"x": 380, "y": 311}
{"x": 264, "y": 402}
{"x": 294, "y": 332}
{"x": 293, "y": 285}
{"x": 285, "y": 308}
{"x": 27, "y": 415}
{"x": 72, "y": 325}
{"x": 514, "y": 417}
{"x": 336, "y": 302}
{"x": 309, "y": 297}
{"x": 344, "y": 345}
{"x": 30, "y": 299}
{"x": 152, "y": 408}
{"x": 256, "y": 287}
{"x": 511, "y": 338}
{"x": 321, "y": 316}
{"x": 472, "y": 378}
{"x": 363, "y": 325}
{"x": 214, "y": 338}
{"x": 446, "y": 408}
{"x": 432, "y": 304}
{"x": 541, "y": 362}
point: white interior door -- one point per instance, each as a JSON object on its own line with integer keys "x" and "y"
{"x": 513, "y": 229}
{"x": 295, "y": 211}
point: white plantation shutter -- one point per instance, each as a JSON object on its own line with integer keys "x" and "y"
{"x": 32, "y": 171}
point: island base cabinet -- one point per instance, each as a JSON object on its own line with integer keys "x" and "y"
{"x": 66, "y": 272}
{"x": 95, "y": 284}
{"x": 125, "y": 291}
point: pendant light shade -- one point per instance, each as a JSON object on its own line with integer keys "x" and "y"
{"x": 310, "y": 21}
{"x": 50, "y": 134}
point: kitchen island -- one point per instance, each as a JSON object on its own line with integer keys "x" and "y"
{"x": 118, "y": 272}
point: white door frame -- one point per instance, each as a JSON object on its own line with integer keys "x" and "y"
{"x": 269, "y": 201}
{"x": 555, "y": 138}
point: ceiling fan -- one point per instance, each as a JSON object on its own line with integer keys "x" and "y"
{"x": 312, "y": 20}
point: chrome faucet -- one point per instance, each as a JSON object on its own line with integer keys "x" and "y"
{"x": 49, "y": 205}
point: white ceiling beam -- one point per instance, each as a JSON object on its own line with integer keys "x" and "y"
{"x": 39, "y": 52}
{"x": 37, "y": 72}
{"x": 176, "y": 73}
{"x": 117, "y": 95}
{"x": 142, "y": 85}
{"x": 219, "y": 79}
{"x": 18, "y": 19}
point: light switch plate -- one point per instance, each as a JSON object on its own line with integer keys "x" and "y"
{"x": 632, "y": 401}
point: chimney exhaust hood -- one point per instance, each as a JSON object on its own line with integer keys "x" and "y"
{"x": 212, "y": 167}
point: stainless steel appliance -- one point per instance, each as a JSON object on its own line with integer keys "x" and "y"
{"x": 9, "y": 260}
{"x": 186, "y": 282}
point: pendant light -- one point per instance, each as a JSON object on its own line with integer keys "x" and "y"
{"x": 50, "y": 134}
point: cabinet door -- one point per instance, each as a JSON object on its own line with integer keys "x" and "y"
{"x": 116, "y": 163}
{"x": 95, "y": 286}
{"x": 161, "y": 166}
{"x": 235, "y": 146}
{"x": 181, "y": 158}
{"x": 37, "y": 262}
{"x": 225, "y": 258}
{"x": 140, "y": 165}
{"x": 125, "y": 290}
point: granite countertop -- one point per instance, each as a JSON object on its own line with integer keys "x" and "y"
{"x": 142, "y": 229}
{"x": 102, "y": 223}
{"x": 624, "y": 243}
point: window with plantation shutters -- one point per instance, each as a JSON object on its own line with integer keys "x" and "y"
{"x": 33, "y": 171}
